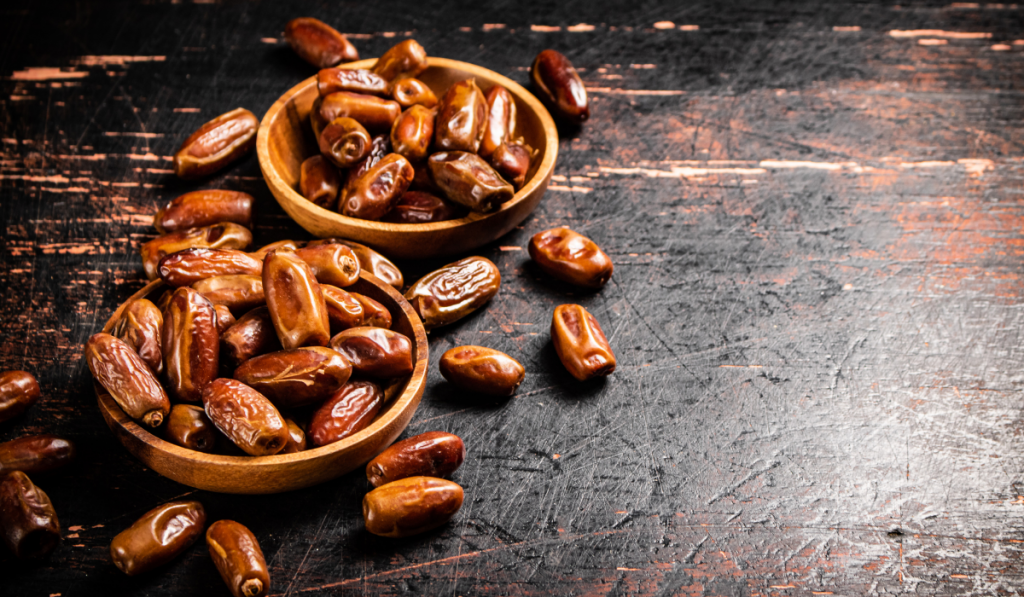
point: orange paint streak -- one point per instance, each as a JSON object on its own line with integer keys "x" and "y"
{"x": 581, "y": 28}
{"x": 614, "y": 91}
{"x": 897, "y": 33}
{"x": 544, "y": 28}
{"x": 115, "y": 60}
{"x": 46, "y": 74}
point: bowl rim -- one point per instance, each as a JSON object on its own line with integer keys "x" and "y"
{"x": 409, "y": 398}
{"x": 274, "y": 179}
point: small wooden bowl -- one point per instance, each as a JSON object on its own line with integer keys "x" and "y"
{"x": 285, "y": 139}
{"x": 274, "y": 474}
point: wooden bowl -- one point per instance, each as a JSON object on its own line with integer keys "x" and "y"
{"x": 285, "y": 139}
{"x": 284, "y": 472}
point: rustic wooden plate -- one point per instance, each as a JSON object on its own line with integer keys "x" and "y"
{"x": 274, "y": 474}
{"x": 285, "y": 139}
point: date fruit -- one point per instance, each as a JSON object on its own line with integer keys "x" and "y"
{"x": 140, "y": 326}
{"x": 350, "y": 410}
{"x": 226, "y": 235}
{"x": 239, "y": 292}
{"x": 482, "y": 370}
{"x": 448, "y": 294}
{"x": 204, "y": 208}
{"x": 375, "y": 352}
{"x": 461, "y": 118}
{"x": 379, "y": 147}
{"x": 374, "y": 113}
{"x": 375, "y": 314}
{"x": 571, "y": 257}
{"x": 344, "y": 142}
{"x": 512, "y": 162}
{"x": 501, "y": 120}
{"x": 412, "y": 132}
{"x": 18, "y": 391}
{"x": 298, "y": 377}
{"x": 355, "y": 80}
{"x": 404, "y": 60}
{"x": 319, "y": 182}
{"x": 224, "y": 318}
{"x": 128, "y": 379}
{"x": 216, "y": 144}
{"x": 468, "y": 180}
{"x": 238, "y": 558}
{"x": 560, "y": 87}
{"x": 331, "y": 263}
{"x": 35, "y": 454}
{"x": 249, "y": 420}
{"x": 187, "y": 267}
{"x": 374, "y": 263}
{"x": 28, "y": 522}
{"x": 373, "y": 193}
{"x": 285, "y": 245}
{"x": 296, "y": 438}
{"x": 430, "y": 454}
{"x": 191, "y": 344}
{"x": 161, "y": 535}
{"x": 251, "y": 336}
{"x": 418, "y": 207}
{"x": 411, "y": 506}
{"x": 318, "y": 43}
{"x": 409, "y": 92}
{"x": 295, "y": 300}
{"x": 580, "y": 343}
{"x": 189, "y": 427}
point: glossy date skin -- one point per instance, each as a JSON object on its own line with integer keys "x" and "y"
{"x": 130, "y": 382}
{"x": 454, "y": 291}
{"x": 375, "y": 314}
{"x": 35, "y": 454}
{"x": 348, "y": 411}
{"x": 351, "y": 310}
{"x": 512, "y": 162}
{"x": 409, "y": 92}
{"x": 296, "y": 438}
{"x": 319, "y": 182}
{"x": 225, "y": 319}
{"x": 418, "y": 207}
{"x": 226, "y": 235}
{"x": 298, "y": 377}
{"x": 371, "y": 195}
{"x": 379, "y": 147}
{"x": 468, "y": 180}
{"x": 285, "y": 245}
{"x": 370, "y": 261}
{"x": 252, "y": 335}
{"x": 406, "y": 59}
{"x": 245, "y": 416}
{"x": 355, "y": 80}
{"x": 375, "y": 352}
{"x": 295, "y": 300}
{"x": 216, "y": 144}
{"x": 560, "y": 87}
{"x": 238, "y": 558}
{"x": 18, "y": 391}
{"x": 140, "y": 325}
{"x": 204, "y": 208}
{"x": 236, "y": 292}
{"x": 374, "y": 113}
{"x": 571, "y": 257}
{"x": 411, "y": 506}
{"x": 501, "y": 120}
{"x": 187, "y": 267}
{"x": 430, "y": 454}
{"x": 28, "y": 522}
{"x": 461, "y": 118}
{"x": 413, "y": 132}
{"x": 158, "y": 537}
{"x": 580, "y": 343}
{"x": 189, "y": 427}
{"x": 191, "y": 344}
{"x": 344, "y": 142}
{"x": 331, "y": 263}
{"x": 318, "y": 43}
{"x": 482, "y": 370}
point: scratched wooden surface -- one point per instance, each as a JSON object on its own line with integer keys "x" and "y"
{"x": 815, "y": 214}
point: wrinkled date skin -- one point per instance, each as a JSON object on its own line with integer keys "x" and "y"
{"x": 298, "y": 377}
{"x": 318, "y": 43}
{"x": 412, "y": 132}
{"x": 501, "y": 120}
{"x": 18, "y": 391}
{"x": 187, "y": 267}
{"x": 331, "y": 263}
{"x": 238, "y": 558}
{"x": 296, "y": 438}
{"x": 350, "y": 410}
{"x": 430, "y": 454}
{"x": 482, "y": 370}
{"x": 224, "y": 318}
{"x": 374, "y": 113}
{"x": 204, "y": 208}
{"x": 409, "y": 92}
{"x": 571, "y": 257}
{"x": 411, "y": 506}
{"x": 226, "y": 235}
{"x": 295, "y": 300}
{"x": 130, "y": 382}
{"x": 468, "y": 180}
{"x": 140, "y": 325}
{"x": 404, "y": 60}
{"x": 319, "y": 182}
{"x": 448, "y": 294}
{"x": 344, "y": 142}
{"x": 251, "y": 336}
{"x": 372, "y": 194}
{"x": 35, "y": 454}
{"x": 417, "y": 207}
{"x": 216, "y": 144}
{"x": 191, "y": 344}
{"x": 512, "y": 162}
{"x": 247, "y": 417}
{"x": 375, "y": 352}
{"x": 580, "y": 343}
{"x": 28, "y": 522}
{"x": 189, "y": 427}
{"x": 375, "y": 314}
{"x": 285, "y": 245}
{"x": 158, "y": 537}
{"x": 355, "y": 80}
{"x": 380, "y": 147}
{"x": 237, "y": 292}
{"x": 560, "y": 87}
{"x": 461, "y": 118}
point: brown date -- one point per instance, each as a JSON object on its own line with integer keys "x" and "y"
{"x": 350, "y": 410}
{"x": 28, "y": 522}
{"x": 297, "y": 377}
{"x": 224, "y": 318}
{"x": 226, "y": 235}
{"x": 295, "y": 300}
{"x": 454, "y": 291}
{"x": 580, "y": 343}
{"x": 412, "y": 132}
{"x": 216, "y": 144}
{"x": 356, "y": 80}
{"x": 252, "y": 335}
{"x": 239, "y": 292}
{"x": 560, "y": 87}
{"x": 344, "y": 142}
{"x": 482, "y": 370}
{"x": 187, "y": 267}
{"x": 130, "y": 382}
{"x": 380, "y": 147}
{"x": 318, "y": 43}
{"x": 204, "y": 208}
{"x": 375, "y": 352}
{"x": 403, "y": 60}
{"x": 461, "y": 118}
{"x": 370, "y": 261}
{"x": 247, "y": 417}
{"x": 571, "y": 257}
{"x": 161, "y": 535}
{"x": 319, "y": 182}
{"x": 430, "y": 454}
{"x": 374, "y": 113}
{"x": 512, "y": 162}
{"x": 140, "y": 325}
{"x": 285, "y": 245}
{"x": 35, "y": 454}
{"x": 375, "y": 314}
{"x": 501, "y": 120}
{"x": 189, "y": 427}
{"x": 343, "y": 310}
{"x": 331, "y": 263}
{"x": 18, "y": 391}
{"x": 468, "y": 180}
{"x": 409, "y": 92}
{"x": 372, "y": 194}
{"x": 417, "y": 207}
{"x": 191, "y": 344}
{"x": 296, "y": 438}
{"x": 422, "y": 180}
{"x": 238, "y": 558}
{"x": 411, "y": 506}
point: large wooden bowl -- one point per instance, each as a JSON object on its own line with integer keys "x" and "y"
{"x": 273, "y": 474}
{"x": 285, "y": 139}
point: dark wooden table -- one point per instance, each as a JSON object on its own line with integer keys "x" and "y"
{"x": 815, "y": 213}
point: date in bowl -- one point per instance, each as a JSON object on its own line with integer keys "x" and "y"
{"x": 285, "y": 139}
{"x": 282, "y": 472}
